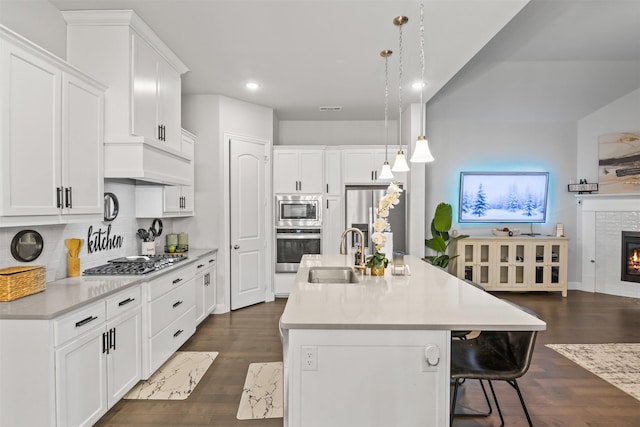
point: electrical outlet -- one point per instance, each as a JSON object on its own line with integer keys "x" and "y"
{"x": 309, "y": 358}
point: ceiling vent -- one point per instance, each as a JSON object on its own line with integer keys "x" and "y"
{"x": 330, "y": 108}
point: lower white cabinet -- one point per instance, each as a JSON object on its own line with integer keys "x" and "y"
{"x": 99, "y": 364}
{"x": 169, "y": 317}
{"x": 205, "y": 287}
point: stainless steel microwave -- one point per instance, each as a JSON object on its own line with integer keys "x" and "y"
{"x": 298, "y": 211}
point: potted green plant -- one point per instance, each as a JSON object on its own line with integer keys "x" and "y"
{"x": 440, "y": 226}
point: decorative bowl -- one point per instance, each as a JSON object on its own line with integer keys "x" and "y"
{"x": 500, "y": 232}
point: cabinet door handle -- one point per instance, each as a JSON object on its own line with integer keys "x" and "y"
{"x": 178, "y": 332}
{"x": 327, "y": 188}
{"x": 59, "y": 196}
{"x": 206, "y": 279}
{"x": 163, "y": 133}
{"x": 371, "y": 175}
{"x": 67, "y": 193}
{"x": 177, "y": 303}
{"x": 160, "y": 132}
{"x": 212, "y": 260}
{"x": 376, "y": 174}
{"x": 105, "y": 346}
{"x": 200, "y": 266}
{"x": 85, "y": 321}
{"x": 178, "y": 280}
{"x": 300, "y": 185}
{"x": 112, "y": 338}
{"x": 126, "y": 301}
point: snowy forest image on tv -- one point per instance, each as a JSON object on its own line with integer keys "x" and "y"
{"x": 503, "y": 197}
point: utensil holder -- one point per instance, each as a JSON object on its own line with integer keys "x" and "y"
{"x": 73, "y": 266}
{"x": 147, "y": 248}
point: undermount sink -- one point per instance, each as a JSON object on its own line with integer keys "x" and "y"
{"x": 332, "y": 275}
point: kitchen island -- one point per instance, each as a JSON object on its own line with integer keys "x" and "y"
{"x": 376, "y": 352}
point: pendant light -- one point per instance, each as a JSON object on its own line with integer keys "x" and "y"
{"x": 422, "y": 154}
{"x": 400, "y": 164}
{"x": 386, "y": 173}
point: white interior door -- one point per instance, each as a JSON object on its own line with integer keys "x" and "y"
{"x": 247, "y": 233}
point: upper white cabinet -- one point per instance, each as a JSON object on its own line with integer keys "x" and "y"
{"x": 51, "y": 147}
{"x": 362, "y": 165}
{"x": 332, "y": 172}
{"x": 153, "y": 201}
{"x": 298, "y": 170}
{"x": 142, "y": 125}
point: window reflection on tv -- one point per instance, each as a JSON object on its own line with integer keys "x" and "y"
{"x": 503, "y": 197}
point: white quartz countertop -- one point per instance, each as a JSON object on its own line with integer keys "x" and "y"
{"x": 68, "y": 294}
{"x": 429, "y": 298}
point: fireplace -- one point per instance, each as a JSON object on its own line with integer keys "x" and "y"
{"x": 630, "y": 269}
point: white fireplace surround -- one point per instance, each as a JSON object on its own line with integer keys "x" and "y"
{"x": 603, "y": 217}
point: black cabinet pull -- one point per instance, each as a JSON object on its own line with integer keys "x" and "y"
{"x": 85, "y": 321}
{"x": 160, "y": 132}
{"x": 105, "y": 346}
{"x": 178, "y": 280}
{"x": 126, "y": 301}
{"x": 212, "y": 260}
{"x": 67, "y": 195}
{"x": 207, "y": 279}
{"x": 178, "y": 332}
{"x": 300, "y": 185}
{"x": 200, "y": 266}
{"x": 371, "y": 175}
{"x": 327, "y": 188}
{"x": 112, "y": 338}
{"x": 177, "y": 303}
{"x": 59, "y": 197}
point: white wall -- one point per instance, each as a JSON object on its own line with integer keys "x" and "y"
{"x": 490, "y": 144}
{"x": 336, "y": 132}
{"x": 210, "y": 117}
{"x": 38, "y": 21}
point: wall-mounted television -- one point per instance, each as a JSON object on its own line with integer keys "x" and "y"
{"x": 503, "y": 197}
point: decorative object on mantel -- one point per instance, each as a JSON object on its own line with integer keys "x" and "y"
{"x": 379, "y": 261}
{"x": 440, "y": 226}
{"x": 176, "y": 379}
{"x": 262, "y": 393}
{"x": 618, "y": 159}
{"x": 583, "y": 187}
{"x": 618, "y": 364}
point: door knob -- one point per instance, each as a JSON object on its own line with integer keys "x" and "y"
{"x": 236, "y": 247}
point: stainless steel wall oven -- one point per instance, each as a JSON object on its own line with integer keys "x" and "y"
{"x": 292, "y": 243}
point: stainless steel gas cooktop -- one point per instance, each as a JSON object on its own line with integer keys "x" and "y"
{"x": 134, "y": 265}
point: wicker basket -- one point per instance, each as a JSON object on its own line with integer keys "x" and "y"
{"x": 20, "y": 281}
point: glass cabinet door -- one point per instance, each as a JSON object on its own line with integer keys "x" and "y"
{"x": 511, "y": 264}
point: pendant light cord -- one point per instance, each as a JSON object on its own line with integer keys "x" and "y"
{"x": 400, "y": 90}
{"x": 386, "y": 107}
{"x": 422, "y": 82}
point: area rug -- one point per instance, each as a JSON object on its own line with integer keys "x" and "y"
{"x": 176, "y": 379}
{"x": 262, "y": 394}
{"x": 619, "y": 364}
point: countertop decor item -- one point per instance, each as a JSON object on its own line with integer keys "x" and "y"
{"x": 379, "y": 259}
{"x": 440, "y": 226}
{"x": 73, "y": 262}
{"x": 20, "y": 281}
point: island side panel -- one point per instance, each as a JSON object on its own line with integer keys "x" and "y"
{"x": 366, "y": 377}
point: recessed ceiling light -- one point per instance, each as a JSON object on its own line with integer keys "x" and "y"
{"x": 419, "y": 85}
{"x": 252, "y": 86}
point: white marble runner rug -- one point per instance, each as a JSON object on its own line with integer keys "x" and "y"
{"x": 176, "y": 379}
{"x": 619, "y": 364}
{"x": 262, "y": 394}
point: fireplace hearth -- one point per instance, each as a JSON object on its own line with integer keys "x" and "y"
{"x": 630, "y": 268}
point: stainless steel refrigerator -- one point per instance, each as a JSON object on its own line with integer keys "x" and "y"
{"x": 361, "y": 210}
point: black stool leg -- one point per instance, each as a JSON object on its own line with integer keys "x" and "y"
{"x": 497, "y": 404}
{"x": 514, "y": 384}
{"x": 456, "y": 383}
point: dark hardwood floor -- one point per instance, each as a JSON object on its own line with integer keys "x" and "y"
{"x": 557, "y": 391}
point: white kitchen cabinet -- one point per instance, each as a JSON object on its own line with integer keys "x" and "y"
{"x": 205, "y": 287}
{"x": 332, "y": 225}
{"x": 333, "y": 172}
{"x": 51, "y": 147}
{"x": 164, "y": 201}
{"x": 142, "y": 125}
{"x": 362, "y": 165}
{"x": 298, "y": 171}
{"x": 97, "y": 362}
{"x": 518, "y": 263}
{"x": 169, "y": 317}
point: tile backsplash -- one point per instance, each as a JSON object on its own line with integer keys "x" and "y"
{"x": 54, "y": 254}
